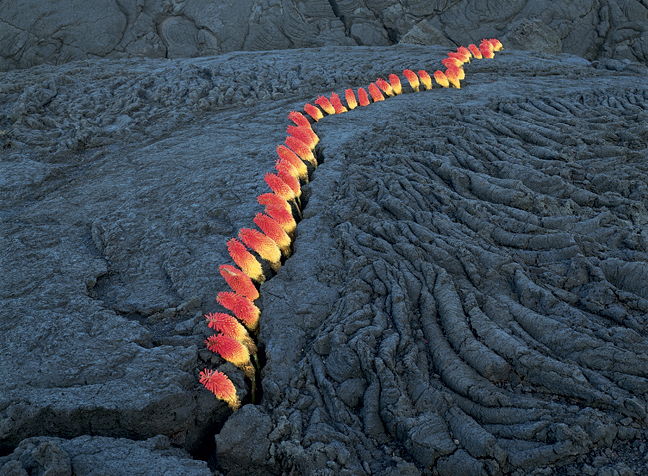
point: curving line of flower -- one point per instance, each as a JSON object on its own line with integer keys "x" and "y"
{"x": 235, "y": 341}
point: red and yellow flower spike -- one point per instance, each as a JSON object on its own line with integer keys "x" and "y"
{"x": 497, "y": 44}
{"x": 350, "y": 99}
{"x": 395, "y": 83}
{"x": 452, "y": 74}
{"x": 304, "y": 134}
{"x": 245, "y": 260}
{"x": 313, "y": 112}
{"x": 376, "y": 95}
{"x": 452, "y": 63}
{"x": 441, "y": 79}
{"x": 475, "y": 51}
{"x": 385, "y": 87}
{"x": 231, "y": 350}
{"x": 426, "y": 80}
{"x": 412, "y": 79}
{"x": 242, "y": 307}
{"x": 301, "y": 149}
{"x": 264, "y": 246}
{"x": 230, "y": 326}
{"x": 466, "y": 52}
{"x": 337, "y": 104}
{"x": 325, "y": 104}
{"x": 239, "y": 282}
{"x": 220, "y": 385}
{"x": 273, "y": 230}
{"x": 299, "y": 119}
{"x": 362, "y": 97}
{"x": 289, "y": 156}
{"x": 464, "y": 58}
{"x": 290, "y": 180}
{"x": 486, "y": 48}
{"x": 274, "y": 200}
{"x": 279, "y": 187}
{"x": 283, "y": 217}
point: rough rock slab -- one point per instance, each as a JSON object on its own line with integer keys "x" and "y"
{"x": 34, "y": 32}
{"x": 466, "y": 290}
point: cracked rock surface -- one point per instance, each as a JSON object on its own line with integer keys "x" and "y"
{"x": 467, "y": 293}
{"x": 34, "y": 32}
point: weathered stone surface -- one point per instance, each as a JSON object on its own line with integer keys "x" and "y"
{"x": 99, "y": 456}
{"x": 467, "y": 289}
{"x": 34, "y": 32}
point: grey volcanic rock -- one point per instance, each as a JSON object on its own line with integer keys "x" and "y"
{"x": 466, "y": 295}
{"x": 100, "y": 456}
{"x": 34, "y": 32}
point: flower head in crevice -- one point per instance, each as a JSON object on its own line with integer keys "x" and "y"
{"x": 350, "y": 99}
{"x": 264, "y": 246}
{"x": 313, "y": 112}
{"x": 395, "y": 83}
{"x": 426, "y": 80}
{"x": 337, "y": 104}
{"x": 274, "y": 231}
{"x": 245, "y": 260}
{"x": 412, "y": 79}
{"x": 376, "y": 95}
{"x": 231, "y": 350}
{"x": 220, "y": 385}
{"x": 363, "y": 99}
{"x": 285, "y": 154}
{"x": 301, "y": 149}
{"x": 239, "y": 281}
{"x": 299, "y": 119}
{"x": 230, "y": 326}
{"x": 385, "y": 87}
{"x": 325, "y": 104}
{"x": 283, "y": 217}
{"x": 441, "y": 79}
{"x": 244, "y": 310}
{"x": 304, "y": 134}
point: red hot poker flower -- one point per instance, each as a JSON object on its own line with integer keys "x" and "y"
{"x": 337, "y": 104}
{"x": 264, "y": 246}
{"x": 301, "y": 149}
{"x": 239, "y": 281}
{"x": 242, "y": 307}
{"x": 220, "y": 385}
{"x": 426, "y": 80}
{"x": 283, "y": 217}
{"x": 464, "y": 58}
{"x": 273, "y": 230}
{"x": 362, "y": 97}
{"x": 385, "y": 87}
{"x": 497, "y": 44}
{"x": 299, "y": 119}
{"x": 413, "y": 79}
{"x": 395, "y": 83}
{"x": 464, "y": 51}
{"x": 451, "y": 63}
{"x": 350, "y": 98}
{"x": 313, "y": 112}
{"x": 245, "y": 260}
{"x": 453, "y": 77}
{"x": 475, "y": 51}
{"x": 289, "y": 156}
{"x": 376, "y": 95}
{"x": 290, "y": 180}
{"x": 274, "y": 200}
{"x": 283, "y": 165}
{"x": 441, "y": 79}
{"x": 279, "y": 187}
{"x": 230, "y": 326}
{"x": 304, "y": 134}
{"x": 231, "y": 350}
{"x": 325, "y": 104}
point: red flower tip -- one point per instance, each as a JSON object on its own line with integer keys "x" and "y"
{"x": 464, "y": 51}
{"x": 231, "y": 350}
{"x": 242, "y": 307}
{"x": 279, "y": 187}
{"x": 426, "y": 80}
{"x": 376, "y": 95}
{"x": 290, "y": 180}
{"x": 497, "y": 44}
{"x": 452, "y": 74}
{"x": 441, "y": 79}
{"x": 274, "y": 200}
{"x": 486, "y": 48}
{"x": 274, "y": 231}
{"x": 337, "y": 104}
{"x": 245, "y": 260}
{"x": 413, "y": 79}
{"x": 475, "y": 51}
{"x": 301, "y": 149}
{"x": 313, "y": 112}
{"x": 289, "y": 156}
{"x": 299, "y": 119}
{"x": 264, "y": 246}
{"x": 283, "y": 217}
{"x": 460, "y": 56}
{"x": 385, "y": 87}
{"x": 395, "y": 83}
{"x": 451, "y": 63}
{"x": 363, "y": 99}
{"x": 283, "y": 165}
{"x": 220, "y": 385}
{"x": 304, "y": 134}
{"x": 239, "y": 281}
{"x": 325, "y": 104}
{"x": 350, "y": 99}
{"x": 230, "y": 326}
